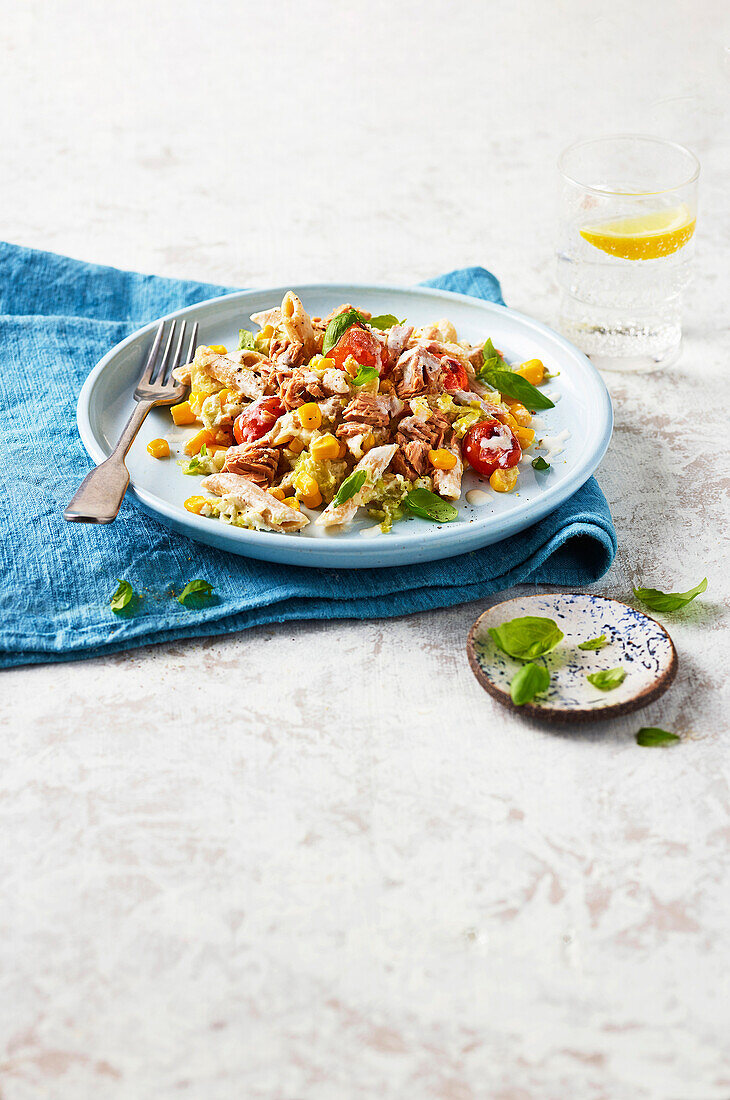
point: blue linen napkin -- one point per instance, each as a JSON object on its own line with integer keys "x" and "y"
{"x": 58, "y": 316}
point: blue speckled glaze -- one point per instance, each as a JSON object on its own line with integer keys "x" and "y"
{"x": 635, "y": 643}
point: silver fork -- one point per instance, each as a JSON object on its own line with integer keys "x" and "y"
{"x": 100, "y": 494}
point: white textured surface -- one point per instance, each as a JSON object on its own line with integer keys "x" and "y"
{"x": 317, "y": 862}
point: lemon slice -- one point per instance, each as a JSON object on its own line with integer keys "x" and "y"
{"x": 646, "y": 237}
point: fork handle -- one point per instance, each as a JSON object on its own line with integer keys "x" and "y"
{"x": 100, "y": 495}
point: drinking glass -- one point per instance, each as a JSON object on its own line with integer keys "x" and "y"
{"x": 629, "y": 208}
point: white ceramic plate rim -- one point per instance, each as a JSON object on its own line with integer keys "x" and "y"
{"x": 441, "y": 541}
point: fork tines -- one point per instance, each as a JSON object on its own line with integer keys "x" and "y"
{"x": 158, "y": 369}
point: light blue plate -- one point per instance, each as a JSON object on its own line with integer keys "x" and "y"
{"x": 583, "y": 410}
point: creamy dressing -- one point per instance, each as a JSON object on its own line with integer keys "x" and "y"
{"x": 500, "y": 441}
{"x": 555, "y": 444}
{"x": 553, "y": 396}
{"x": 477, "y": 497}
{"x": 537, "y": 423}
{"x": 370, "y": 532}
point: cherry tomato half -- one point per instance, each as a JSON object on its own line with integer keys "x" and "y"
{"x": 453, "y": 375}
{"x": 257, "y": 419}
{"x": 485, "y": 456}
{"x": 360, "y": 344}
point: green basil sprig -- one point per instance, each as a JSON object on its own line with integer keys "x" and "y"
{"x": 607, "y": 679}
{"x": 494, "y": 373}
{"x": 195, "y": 465}
{"x": 385, "y": 320}
{"x": 491, "y": 359}
{"x": 649, "y": 736}
{"x": 529, "y": 681}
{"x": 122, "y": 597}
{"x": 527, "y": 637}
{"x": 428, "y": 505}
{"x": 349, "y": 487}
{"x": 339, "y": 325}
{"x": 656, "y": 600}
{"x": 539, "y": 463}
{"x": 198, "y": 589}
{"x": 514, "y": 385}
{"x": 246, "y": 340}
{"x": 594, "y": 643}
{"x": 364, "y": 374}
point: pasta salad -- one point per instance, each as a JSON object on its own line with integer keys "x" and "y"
{"x": 311, "y": 419}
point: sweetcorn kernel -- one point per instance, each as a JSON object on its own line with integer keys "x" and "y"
{"x": 196, "y": 399}
{"x": 305, "y": 484}
{"x": 292, "y": 502}
{"x": 195, "y": 504}
{"x": 325, "y": 447}
{"x": 520, "y": 413}
{"x": 524, "y": 436}
{"x": 503, "y": 481}
{"x": 368, "y": 442}
{"x": 159, "y": 448}
{"x": 193, "y": 445}
{"x": 310, "y": 416}
{"x": 296, "y": 446}
{"x": 533, "y": 370}
{"x": 278, "y": 493}
{"x": 182, "y": 414}
{"x": 442, "y": 459}
{"x": 220, "y": 349}
{"x": 312, "y": 500}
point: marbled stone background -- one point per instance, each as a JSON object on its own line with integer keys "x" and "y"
{"x": 316, "y": 861}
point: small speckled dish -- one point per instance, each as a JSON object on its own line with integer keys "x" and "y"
{"x": 636, "y": 643}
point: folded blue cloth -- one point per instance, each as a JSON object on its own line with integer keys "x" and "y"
{"x": 58, "y": 316}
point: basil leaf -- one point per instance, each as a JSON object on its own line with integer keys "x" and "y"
{"x": 594, "y": 643}
{"x": 195, "y": 465}
{"x": 349, "y": 487}
{"x": 514, "y": 385}
{"x": 364, "y": 374}
{"x": 668, "y": 601}
{"x": 339, "y": 325}
{"x": 527, "y": 637}
{"x": 491, "y": 359}
{"x": 607, "y": 679}
{"x": 428, "y": 505}
{"x": 648, "y": 736}
{"x": 531, "y": 680}
{"x": 122, "y": 597}
{"x": 385, "y": 320}
{"x": 246, "y": 340}
{"x": 539, "y": 463}
{"x": 199, "y": 589}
